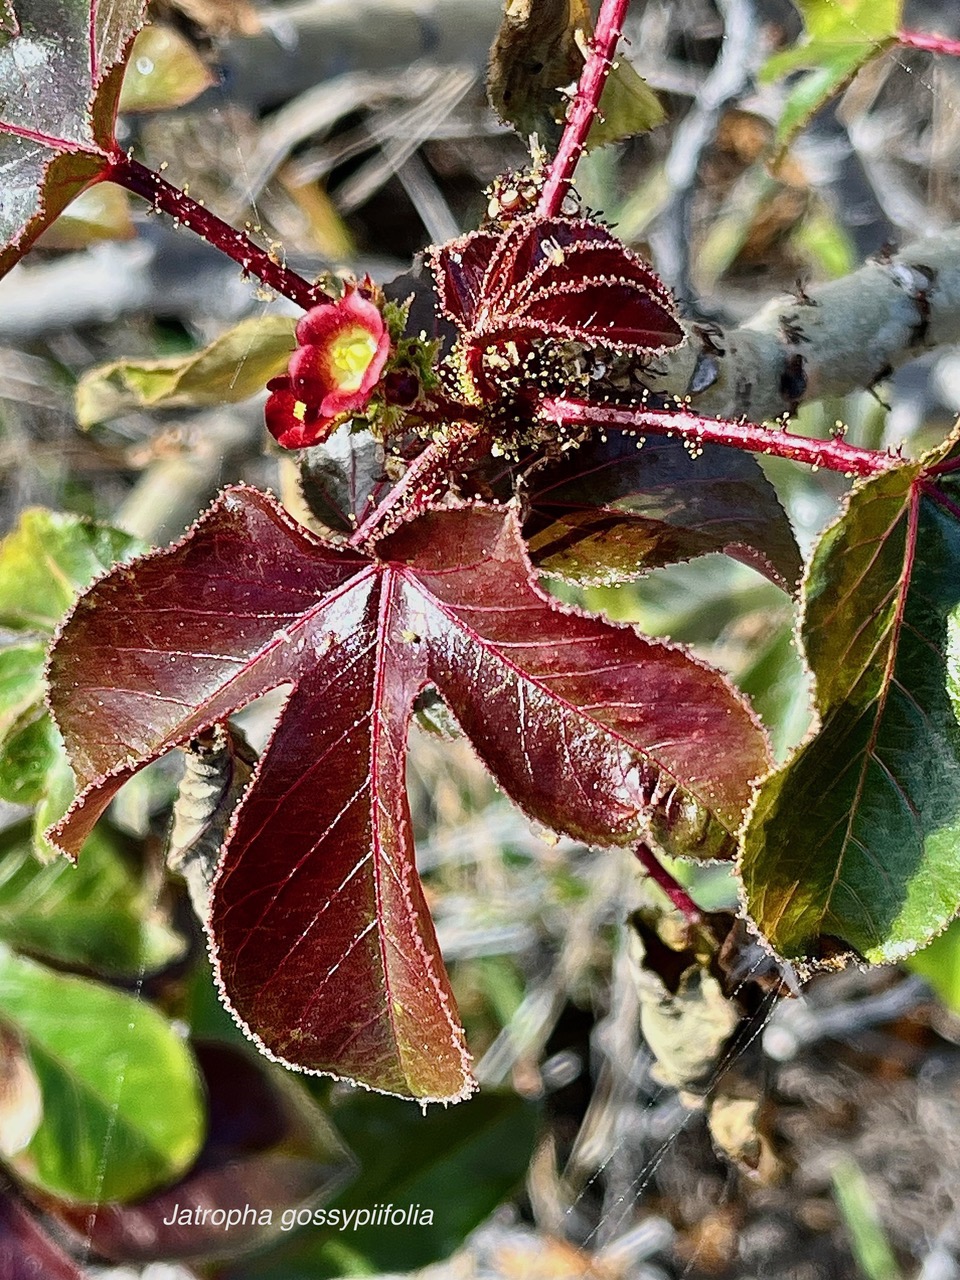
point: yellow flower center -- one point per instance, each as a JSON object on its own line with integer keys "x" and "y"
{"x": 350, "y": 356}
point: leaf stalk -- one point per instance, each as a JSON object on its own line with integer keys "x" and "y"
{"x": 187, "y": 212}
{"x": 833, "y": 455}
{"x": 662, "y": 878}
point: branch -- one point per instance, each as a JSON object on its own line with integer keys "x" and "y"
{"x": 844, "y": 335}
{"x": 186, "y": 212}
{"x": 741, "y": 53}
{"x": 583, "y": 108}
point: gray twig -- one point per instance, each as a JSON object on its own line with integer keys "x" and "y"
{"x": 740, "y": 56}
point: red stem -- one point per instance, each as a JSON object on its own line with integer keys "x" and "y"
{"x": 833, "y": 455}
{"x": 584, "y": 106}
{"x": 929, "y": 42}
{"x": 165, "y": 197}
{"x": 664, "y": 880}
{"x": 419, "y": 483}
{"x": 936, "y": 494}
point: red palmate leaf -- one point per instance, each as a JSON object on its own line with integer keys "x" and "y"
{"x": 61, "y": 68}
{"x": 325, "y": 947}
{"x": 559, "y": 277}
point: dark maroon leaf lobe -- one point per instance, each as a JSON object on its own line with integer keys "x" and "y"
{"x": 162, "y": 642}
{"x": 325, "y": 943}
{"x": 565, "y": 277}
{"x": 610, "y": 512}
{"x": 325, "y": 948}
{"x": 591, "y": 728}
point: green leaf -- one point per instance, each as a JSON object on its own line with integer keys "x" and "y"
{"x": 47, "y": 561}
{"x": 27, "y": 756}
{"x": 122, "y": 1107}
{"x": 233, "y": 367}
{"x": 44, "y": 564}
{"x": 840, "y": 37}
{"x": 164, "y": 70}
{"x": 459, "y": 1162}
{"x": 854, "y": 845}
{"x": 98, "y": 913}
{"x": 60, "y": 73}
{"x": 538, "y": 52}
{"x": 939, "y": 963}
{"x": 21, "y": 682}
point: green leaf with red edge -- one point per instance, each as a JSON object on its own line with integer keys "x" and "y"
{"x": 610, "y": 512}
{"x": 840, "y": 37}
{"x": 325, "y": 946}
{"x": 61, "y": 66}
{"x": 854, "y": 845}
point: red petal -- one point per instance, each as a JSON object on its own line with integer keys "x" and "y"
{"x": 324, "y": 322}
{"x": 290, "y": 427}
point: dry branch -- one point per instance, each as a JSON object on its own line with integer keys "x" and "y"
{"x": 848, "y": 334}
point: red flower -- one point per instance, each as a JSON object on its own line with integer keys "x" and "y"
{"x": 342, "y": 348}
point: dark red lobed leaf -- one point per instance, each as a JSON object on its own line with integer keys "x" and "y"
{"x": 563, "y": 277}
{"x": 326, "y": 950}
{"x": 610, "y": 512}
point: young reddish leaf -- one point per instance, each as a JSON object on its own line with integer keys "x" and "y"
{"x": 325, "y": 945}
{"x": 557, "y": 277}
{"x": 610, "y": 511}
{"x": 853, "y": 845}
{"x": 60, "y": 75}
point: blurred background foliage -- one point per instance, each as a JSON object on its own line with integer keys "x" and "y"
{"x": 647, "y": 1110}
